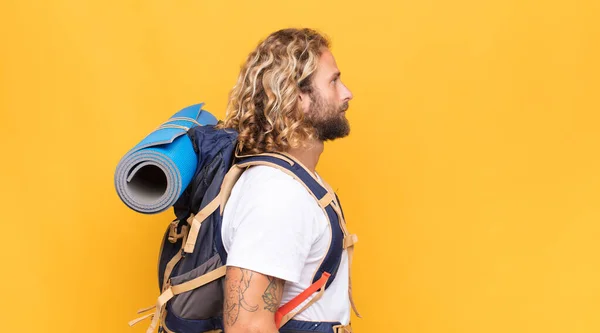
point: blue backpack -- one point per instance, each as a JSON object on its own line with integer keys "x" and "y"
{"x": 192, "y": 258}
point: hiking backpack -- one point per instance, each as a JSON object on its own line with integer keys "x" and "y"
{"x": 191, "y": 266}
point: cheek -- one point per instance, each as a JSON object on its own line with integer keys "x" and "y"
{"x": 340, "y": 91}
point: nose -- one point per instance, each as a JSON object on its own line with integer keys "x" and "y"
{"x": 346, "y": 94}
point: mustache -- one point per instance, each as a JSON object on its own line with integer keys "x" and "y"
{"x": 344, "y": 107}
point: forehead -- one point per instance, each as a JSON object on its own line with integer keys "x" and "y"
{"x": 327, "y": 65}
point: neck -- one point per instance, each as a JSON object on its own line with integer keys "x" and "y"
{"x": 309, "y": 155}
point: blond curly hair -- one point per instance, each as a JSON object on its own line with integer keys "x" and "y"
{"x": 264, "y": 105}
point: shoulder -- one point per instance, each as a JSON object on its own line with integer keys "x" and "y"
{"x": 268, "y": 185}
{"x": 271, "y": 223}
{"x": 268, "y": 198}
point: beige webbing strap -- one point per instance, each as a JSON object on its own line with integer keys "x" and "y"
{"x": 350, "y": 254}
{"x": 197, "y": 223}
{"x": 312, "y": 301}
{"x": 338, "y": 211}
{"x": 171, "y": 264}
{"x": 140, "y": 311}
{"x": 170, "y": 292}
{"x": 219, "y": 201}
{"x": 326, "y": 200}
{"x": 285, "y": 157}
{"x": 336, "y": 208}
{"x": 162, "y": 299}
{"x": 137, "y": 320}
{"x": 229, "y": 180}
{"x": 342, "y": 329}
{"x": 350, "y": 240}
{"x": 199, "y": 281}
{"x": 168, "y": 269}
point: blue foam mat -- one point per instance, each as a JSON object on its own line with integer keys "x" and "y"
{"x": 152, "y": 175}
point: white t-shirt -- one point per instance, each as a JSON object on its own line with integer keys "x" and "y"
{"x": 272, "y": 225}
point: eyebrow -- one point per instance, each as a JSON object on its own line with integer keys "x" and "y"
{"x": 336, "y": 75}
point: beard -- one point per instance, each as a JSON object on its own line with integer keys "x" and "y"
{"x": 327, "y": 118}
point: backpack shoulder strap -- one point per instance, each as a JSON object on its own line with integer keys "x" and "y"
{"x": 322, "y": 195}
{"x": 349, "y": 241}
{"x": 327, "y": 200}
{"x": 348, "y": 244}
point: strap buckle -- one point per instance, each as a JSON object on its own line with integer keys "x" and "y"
{"x": 342, "y": 329}
{"x": 350, "y": 240}
{"x": 174, "y": 236}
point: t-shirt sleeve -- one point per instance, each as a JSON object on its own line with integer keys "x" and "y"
{"x": 271, "y": 234}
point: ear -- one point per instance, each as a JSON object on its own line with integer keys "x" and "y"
{"x": 304, "y": 102}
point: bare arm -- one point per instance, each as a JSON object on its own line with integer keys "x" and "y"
{"x": 251, "y": 300}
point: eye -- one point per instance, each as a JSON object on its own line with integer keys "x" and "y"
{"x": 335, "y": 78}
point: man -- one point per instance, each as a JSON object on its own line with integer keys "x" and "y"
{"x": 289, "y": 98}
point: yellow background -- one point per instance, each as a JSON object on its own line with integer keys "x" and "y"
{"x": 471, "y": 175}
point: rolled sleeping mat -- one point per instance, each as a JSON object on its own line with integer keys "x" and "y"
{"x": 152, "y": 175}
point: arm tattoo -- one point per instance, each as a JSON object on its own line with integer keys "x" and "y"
{"x": 235, "y": 297}
{"x": 271, "y": 295}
